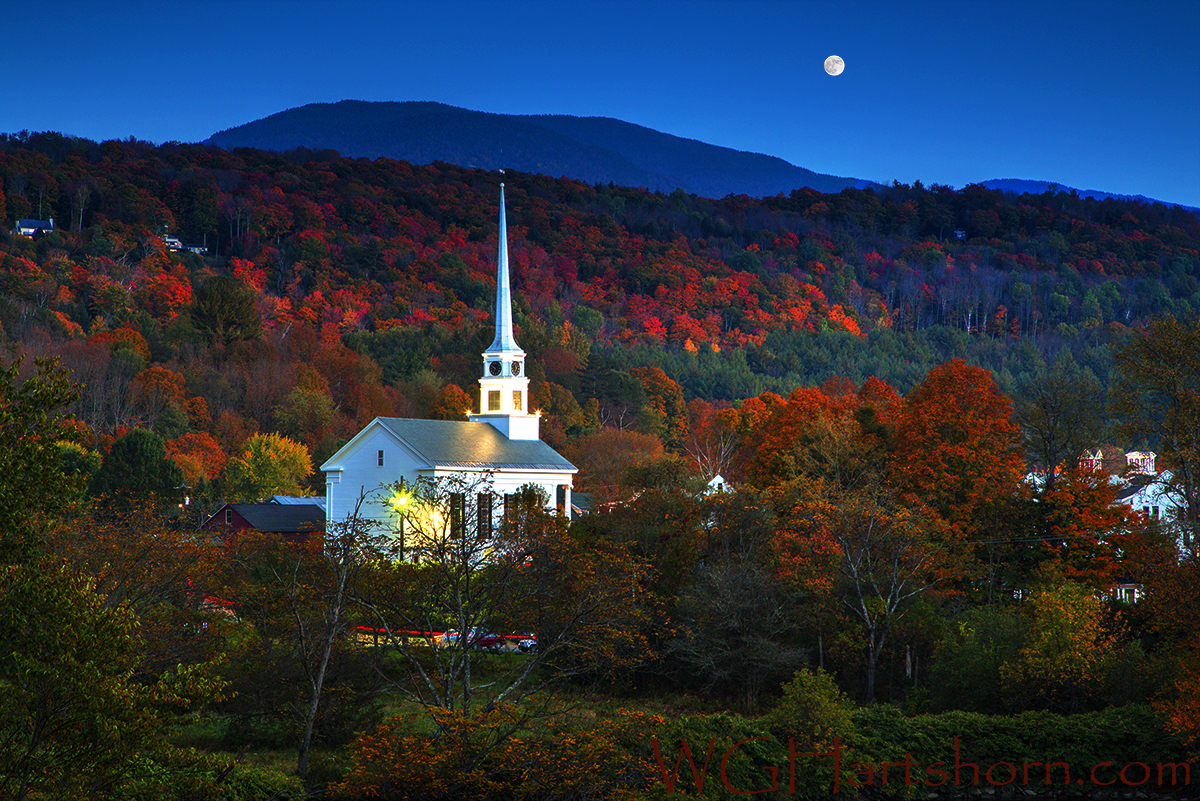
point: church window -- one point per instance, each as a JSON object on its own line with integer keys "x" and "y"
{"x": 517, "y": 400}
{"x": 458, "y": 514}
{"x": 494, "y": 400}
{"x": 483, "y": 514}
{"x": 381, "y": 458}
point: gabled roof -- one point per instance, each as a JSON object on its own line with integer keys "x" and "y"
{"x": 462, "y": 445}
{"x": 1138, "y": 482}
{"x": 465, "y": 445}
{"x": 274, "y": 517}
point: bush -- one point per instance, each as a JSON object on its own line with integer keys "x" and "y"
{"x": 813, "y": 710}
{"x": 495, "y": 755}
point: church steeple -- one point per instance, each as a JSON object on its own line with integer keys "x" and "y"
{"x": 504, "y": 342}
{"x": 504, "y": 387}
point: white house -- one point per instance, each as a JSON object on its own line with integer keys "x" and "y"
{"x": 1143, "y": 487}
{"x": 32, "y": 227}
{"x": 501, "y": 443}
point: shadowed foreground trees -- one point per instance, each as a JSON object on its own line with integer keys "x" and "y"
{"x": 30, "y": 426}
{"x": 301, "y": 678}
{"x": 74, "y": 722}
{"x": 477, "y": 571}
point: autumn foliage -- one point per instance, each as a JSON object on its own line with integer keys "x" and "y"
{"x": 957, "y": 448}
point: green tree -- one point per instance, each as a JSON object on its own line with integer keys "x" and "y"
{"x": 73, "y": 721}
{"x": 226, "y": 310}
{"x": 306, "y": 415}
{"x": 320, "y": 686}
{"x": 1062, "y": 663}
{"x": 813, "y": 710}
{"x": 665, "y": 413}
{"x": 1060, "y": 410}
{"x": 738, "y": 628}
{"x": 137, "y": 464}
{"x": 965, "y": 672}
{"x": 270, "y": 465}
{"x": 31, "y": 425}
{"x": 1156, "y": 399}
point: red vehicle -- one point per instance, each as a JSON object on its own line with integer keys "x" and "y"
{"x": 488, "y": 641}
{"x": 477, "y": 638}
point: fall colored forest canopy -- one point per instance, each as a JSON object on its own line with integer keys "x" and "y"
{"x": 331, "y": 290}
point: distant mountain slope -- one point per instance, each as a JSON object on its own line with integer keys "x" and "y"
{"x": 1022, "y": 186}
{"x": 592, "y": 149}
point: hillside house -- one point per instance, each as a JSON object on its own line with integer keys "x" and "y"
{"x": 34, "y": 227}
{"x": 1144, "y": 488}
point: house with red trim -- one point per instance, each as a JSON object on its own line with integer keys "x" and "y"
{"x": 296, "y": 523}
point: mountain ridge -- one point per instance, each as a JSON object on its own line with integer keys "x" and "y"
{"x": 594, "y": 149}
{"x": 599, "y": 150}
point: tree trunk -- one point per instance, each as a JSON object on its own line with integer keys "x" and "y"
{"x": 331, "y": 634}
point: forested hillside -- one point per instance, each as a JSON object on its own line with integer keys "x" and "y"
{"x": 334, "y": 290}
{"x": 878, "y": 539}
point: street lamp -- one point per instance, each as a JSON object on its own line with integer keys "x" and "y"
{"x": 400, "y": 502}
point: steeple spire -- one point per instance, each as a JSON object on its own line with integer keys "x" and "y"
{"x": 504, "y": 341}
{"x": 504, "y": 386}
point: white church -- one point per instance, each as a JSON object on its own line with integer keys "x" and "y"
{"x": 502, "y": 441}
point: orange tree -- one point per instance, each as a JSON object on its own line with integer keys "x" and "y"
{"x": 957, "y": 451}
{"x": 956, "y": 447}
{"x": 888, "y": 556}
{"x": 1086, "y": 529}
{"x": 400, "y": 761}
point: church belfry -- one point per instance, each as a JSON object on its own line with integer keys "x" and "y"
{"x": 504, "y": 386}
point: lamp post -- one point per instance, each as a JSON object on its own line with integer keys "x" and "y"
{"x": 400, "y": 503}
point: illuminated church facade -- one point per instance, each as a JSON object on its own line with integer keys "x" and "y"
{"x": 500, "y": 443}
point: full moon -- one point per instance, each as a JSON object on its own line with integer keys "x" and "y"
{"x": 834, "y": 65}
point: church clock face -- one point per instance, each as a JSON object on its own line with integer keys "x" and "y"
{"x": 494, "y": 368}
{"x": 516, "y": 368}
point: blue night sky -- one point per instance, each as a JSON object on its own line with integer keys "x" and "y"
{"x": 1095, "y": 94}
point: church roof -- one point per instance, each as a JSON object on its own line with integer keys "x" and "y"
{"x": 464, "y": 445}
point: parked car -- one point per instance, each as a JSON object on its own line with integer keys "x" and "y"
{"x": 488, "y": 641}
{"x": 527, "y": 644}
{"x": 476, "y": 638}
